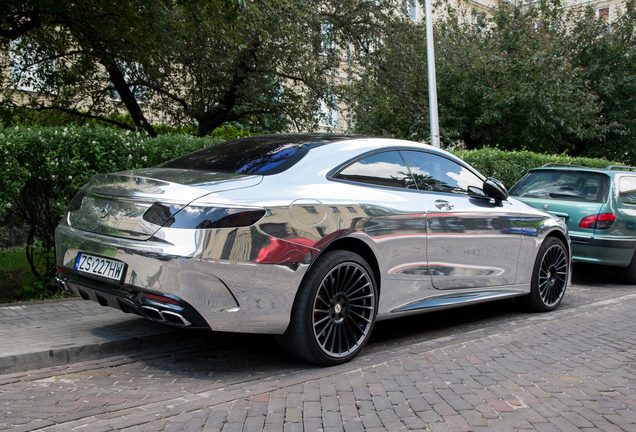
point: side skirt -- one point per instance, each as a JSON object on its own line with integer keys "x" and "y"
{"x": 450, "y": 300}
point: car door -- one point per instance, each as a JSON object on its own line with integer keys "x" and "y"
{"x": 394, "y": 214}
{"x": 472, "y": 242}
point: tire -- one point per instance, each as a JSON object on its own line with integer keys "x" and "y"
{"x": 549, "y": 277}
{"x": 628, "y": 274}
{"x": 334, "y": 311}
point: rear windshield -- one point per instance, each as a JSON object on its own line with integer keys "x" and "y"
{"x": 247, "y": 156}
{"x": 568, "y": 185}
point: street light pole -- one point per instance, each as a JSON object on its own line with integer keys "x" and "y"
{"x": 432, "y": 79}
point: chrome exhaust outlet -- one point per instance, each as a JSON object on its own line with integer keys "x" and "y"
{"x": 153, "y": 313}
{"x": 61, "y": 284}
{"x": 175, "y": 319}
{"x": 165, "y": 316}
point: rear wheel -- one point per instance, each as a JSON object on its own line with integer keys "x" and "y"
{"x": 628, "y": 274}
{"x": 549, "y": 277}
{"x": 334, "y": 311}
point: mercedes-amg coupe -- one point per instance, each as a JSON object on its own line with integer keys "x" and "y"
{"x": 311, "y": 237}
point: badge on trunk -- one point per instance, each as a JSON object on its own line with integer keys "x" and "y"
{"x": 105, "y": 209}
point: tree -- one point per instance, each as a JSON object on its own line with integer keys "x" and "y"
{"x": 605, "y": 53}
{"x": 268, "y": 63}
{"x": 501, "y": 82}
{"x": 19, "y": 16}
{"x": 391, "y": 98}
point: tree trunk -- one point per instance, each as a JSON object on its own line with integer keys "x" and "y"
{"x": 129, "y": 99}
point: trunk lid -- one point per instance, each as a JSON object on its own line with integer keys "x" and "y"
{"x": 114, "y": 204}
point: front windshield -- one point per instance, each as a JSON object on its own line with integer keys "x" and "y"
{"x": 569, "y": 185}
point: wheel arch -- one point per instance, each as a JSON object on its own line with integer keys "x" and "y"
{"x": 561, "y": 236}
{"x": 359, "y": 247}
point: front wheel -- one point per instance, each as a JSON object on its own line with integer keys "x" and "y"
{"x": 334, "y": 311}
{"x": 549, "y": 277}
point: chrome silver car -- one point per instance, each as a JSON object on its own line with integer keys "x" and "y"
{"x": 311, "y": 237}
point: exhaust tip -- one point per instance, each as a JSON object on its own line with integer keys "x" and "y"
{"x": 175, "y": 318}
{"x": 153, "y": 313}
{"x": 61, "y": 284}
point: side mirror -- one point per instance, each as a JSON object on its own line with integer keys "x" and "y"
{"x": 495, "y": 190}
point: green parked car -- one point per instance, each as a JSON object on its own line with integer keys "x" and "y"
{"x": 599, "y": 206}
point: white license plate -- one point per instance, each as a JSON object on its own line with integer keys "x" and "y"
{"x": 105, "y": 267}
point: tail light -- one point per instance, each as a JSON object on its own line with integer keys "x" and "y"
{"x": 600, "y": 221}
{"x": 161, "y": 298}
{"x": 200, "y": 217}
{"x": 76, "y": 202}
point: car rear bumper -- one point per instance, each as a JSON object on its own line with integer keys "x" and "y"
{"x": 603, "y": 250}
{"x": 221, "y": 286}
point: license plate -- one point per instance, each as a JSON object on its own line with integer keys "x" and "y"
{"x": 99, "y": 266}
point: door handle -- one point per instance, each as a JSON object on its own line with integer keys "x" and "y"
{"x": 443, "y": 205}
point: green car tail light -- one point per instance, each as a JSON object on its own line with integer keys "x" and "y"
{"x": 601, "y": 221}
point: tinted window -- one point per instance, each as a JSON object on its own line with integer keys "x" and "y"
{"x": 242, "y": 157}
{"x": 382, "y": 169}
{"x": 436, "y": 173}
{"x": 628, "y": 190}
{"x": 572, "y": 185}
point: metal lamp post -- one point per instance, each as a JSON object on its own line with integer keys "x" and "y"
{"x": 432, "y": 80}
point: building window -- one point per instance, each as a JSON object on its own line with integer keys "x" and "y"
{"x": 478, "y": 19}
{"x": 25, "y": 68}
{"x": 327, "y": 117}
{"x": 602, "y": 14}
{"x": 412, "y": 10}
{"x": 328, "y": 42}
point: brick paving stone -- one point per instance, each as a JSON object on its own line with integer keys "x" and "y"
{"x": 497, "y": 378}
{"x": 349, "y": 413}
{"x": 274, "y": 420}
{"x": 353, "y": 426}
{"x": 311, "y": 393}
{"x": 365, "y": 407}
{"x": 474, "y": 418}
{"x": 330, "y": 403}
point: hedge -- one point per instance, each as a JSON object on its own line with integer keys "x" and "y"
{"x": 42, "y": 168}
{"x": 510, "y": 166}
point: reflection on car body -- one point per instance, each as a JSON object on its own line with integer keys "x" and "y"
{"x": 311, "y": 237}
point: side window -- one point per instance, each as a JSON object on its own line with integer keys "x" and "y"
{"x": 382, "y": 169}
{"x": 628, "y": 190}
{"x": 436, "y": 173}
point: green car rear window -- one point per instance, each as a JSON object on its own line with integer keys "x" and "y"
{"x": 568, "y": 185}
{"x": 628, "y": 190}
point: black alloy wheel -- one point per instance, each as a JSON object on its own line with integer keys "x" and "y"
{"x": 343, "y": 309}
{"x": 549, "y": 278}
{"x": 335, "y": 310}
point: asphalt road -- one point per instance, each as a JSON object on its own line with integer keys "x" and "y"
{"x": 485, "y": 367}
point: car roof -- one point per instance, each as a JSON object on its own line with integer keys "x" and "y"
{"x": 276, "y": 153}
{"x": 309, "y": 139}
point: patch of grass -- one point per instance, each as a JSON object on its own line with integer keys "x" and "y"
{"x": 17, "y": 282}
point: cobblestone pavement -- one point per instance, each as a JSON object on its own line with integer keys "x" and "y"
{"x": 48, "y": 333}
{"x": 488, "y": 367}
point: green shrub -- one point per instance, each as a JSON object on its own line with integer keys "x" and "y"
{"x": 42, "y": 168}
{"x": 510, "y": 166}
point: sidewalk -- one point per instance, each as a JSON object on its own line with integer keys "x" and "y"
{"x": 35, "y": 335}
